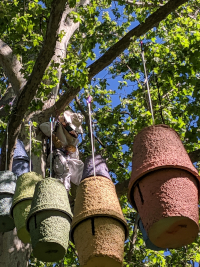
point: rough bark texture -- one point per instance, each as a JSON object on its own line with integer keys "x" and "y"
{"x": 11, "y": 67}
{"x": 13, "y": 253}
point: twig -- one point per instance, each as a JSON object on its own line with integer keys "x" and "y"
{"x": 133, "y": 237}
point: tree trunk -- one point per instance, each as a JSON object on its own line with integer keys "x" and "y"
{"x": 13, "y": 253}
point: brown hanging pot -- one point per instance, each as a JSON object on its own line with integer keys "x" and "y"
{"x": 164, "y": 187}
{"x": 98, "y": 227}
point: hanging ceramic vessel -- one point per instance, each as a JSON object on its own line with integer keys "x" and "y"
{"x": 164, "y": 187}
{"x": 7, "y": 189}
{"x": 146, "y": 239}
{"x": 98, "y": 227}
{"x": 49, "y": 220}
{"x": 22, "y": 202}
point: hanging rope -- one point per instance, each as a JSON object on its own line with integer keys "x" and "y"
{"x": 89, "y": 100}
{"x": 51, "y": 145}
{"x": 6, "y": 164}
{"x": 147, "y": 83}
{"x": 30, "y": 143}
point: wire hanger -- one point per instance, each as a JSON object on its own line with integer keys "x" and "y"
{"x": 6, "y": 164}
{"x": 147, "y": 83}
{"x": 89, "y": 100}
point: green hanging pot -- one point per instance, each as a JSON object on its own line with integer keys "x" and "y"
{"x": 22, "y": 202}
{"x": 7, "y": 189}
{"x": 49, "y": 220}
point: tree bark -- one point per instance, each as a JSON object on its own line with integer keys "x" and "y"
{"x": 13, "y": 253}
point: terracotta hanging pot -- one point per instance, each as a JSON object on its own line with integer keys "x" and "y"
{"x": 49, "y": 220}
{"x": 164, "y": 187}
{"x": 98, "y": 227}
{"x": 7, "y": 189}
{"x": 22, "y": 202}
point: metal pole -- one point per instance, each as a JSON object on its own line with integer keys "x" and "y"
{"x": 91, "y": 133}
{"x": 30, "y": 144}
{"x": 6, "y": 164}
{"x": 51, "y": 146}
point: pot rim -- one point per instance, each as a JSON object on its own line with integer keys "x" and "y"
{"x": 111, "y": 216}
{"x": 17, "y": 202}
{"x": 38, "y": 211}
{"x": 132, "y": 184}
{"x": 6, "y": 192}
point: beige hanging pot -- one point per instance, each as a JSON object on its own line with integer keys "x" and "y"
{"x": 49, "y": 220}
{"x": 7, "y": 189}
{"x": 22, "y": 202}
{"x": 164, "y": 187}
{"x": 98, "y": 227}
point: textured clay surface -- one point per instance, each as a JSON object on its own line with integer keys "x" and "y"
{"x": 25, "y": 186}
{"x": 167, "y": 201}
{"x": 158, "y": 147}
{"x": 100, "y": 242}
{"x": 20, "y": 214}
{"x": 49, "y": 235}
{"x": 7, "y": 189}
{"x": 6, "y": 221}
{"x": 101, "y": 168}
{"x": 7, "y": 182}
{"x": 96, "y": 196}
{"x": 50, "y": 194}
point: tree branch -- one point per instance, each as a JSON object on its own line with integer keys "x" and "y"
{"x": 34, "y": 80}
{"x": 67, "y": 27}
{"x": 133, "y": 238}
{"x": 138, "y": 31}
{"x": 11, "y": 67}
{"x": 141, "y": 4}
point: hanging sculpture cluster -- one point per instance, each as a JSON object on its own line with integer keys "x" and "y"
{"x": 163, "y": 189}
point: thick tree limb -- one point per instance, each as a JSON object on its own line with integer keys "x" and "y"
{"x": 138, "y": 31}
{"x": 59, "y": 106}
{"x": 69, "y": 27}
{"x": 11, "y": 67}
{"x": 31, "y": 86}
